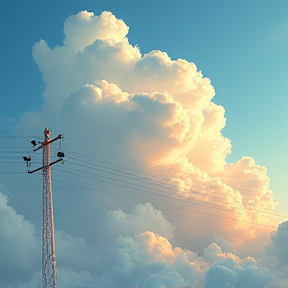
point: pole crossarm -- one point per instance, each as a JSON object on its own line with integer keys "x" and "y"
{"x": 48, "y": 142}
{"x": 50, "y": 164}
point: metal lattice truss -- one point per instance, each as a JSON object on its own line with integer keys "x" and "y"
{"x": 49, "y": 270}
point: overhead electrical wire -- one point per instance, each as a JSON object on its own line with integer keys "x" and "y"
{"x": 119, "y": 154}
{"x": 144, "y": 161}
{"x": 212, "y": 205}
{"x": 166, "y": 185}
{"x": 173, "y": 192}
{"x": 277, "y": 214}
{"x": 121, "y": 175}
{"x": 149, "y": 190}
{"x": 11, "y": 172}
{"x": 143, "y": 175}
{"x": 161, "y": 204}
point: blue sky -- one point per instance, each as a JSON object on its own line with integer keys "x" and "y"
{"x": 241, "y": 46}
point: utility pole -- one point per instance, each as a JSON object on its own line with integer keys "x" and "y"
{"x": 49, "y": 270}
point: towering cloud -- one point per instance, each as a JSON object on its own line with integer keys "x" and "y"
{"x": 149, "y": 107}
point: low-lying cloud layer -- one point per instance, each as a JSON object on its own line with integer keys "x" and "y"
{"x": 133, "y": 259}
{"x": 202, "y": 222}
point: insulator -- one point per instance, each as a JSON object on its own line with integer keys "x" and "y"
{"x": 60, "y": 154}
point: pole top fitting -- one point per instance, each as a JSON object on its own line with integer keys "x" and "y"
{"x": 47, "y": 133}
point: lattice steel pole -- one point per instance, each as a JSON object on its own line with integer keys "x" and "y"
{"x": 49, "y": 270}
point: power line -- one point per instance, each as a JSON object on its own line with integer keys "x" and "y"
{"x": 17, "y": 138}
{"x": 161, "y": 204}
{"x": 123, "y": 155}
{"x": 145, "y": 161}
{"x": 148, "y": 192}
{"x": 165, "y": 185}
{"x": 121, "y": 176}
{"x": 160, "y": 193}
{"x": 12, "y": 173}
